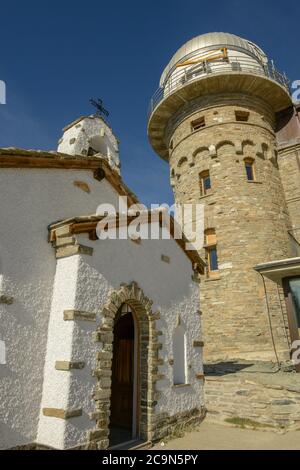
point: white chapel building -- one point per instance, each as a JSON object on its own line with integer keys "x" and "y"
{"x": 101, "y": 340}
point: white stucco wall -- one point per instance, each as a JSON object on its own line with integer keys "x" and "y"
{"x": 31, "y": 199}
{"x": 174, "y": 294}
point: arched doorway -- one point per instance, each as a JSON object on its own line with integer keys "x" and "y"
{"x": 147, "y": 348}
{"x": 124, "y": 378}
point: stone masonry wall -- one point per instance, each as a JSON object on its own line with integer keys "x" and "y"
{"x": 250, "y": 218}
{"x": 289, "y": 166}
{"x": 255, "y": 399}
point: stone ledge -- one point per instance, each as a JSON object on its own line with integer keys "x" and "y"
{"x": 206, "y": 196}
{"x": 181, "y": 386}
{"x": 213, "y": 279}
{"x": 71, "y": 250}
{"x": 72, "y": 315}
{"x": 67, "y": 365}
{"x": 61, "y": 414}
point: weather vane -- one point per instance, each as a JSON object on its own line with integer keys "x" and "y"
{"x": 98, "y": 104}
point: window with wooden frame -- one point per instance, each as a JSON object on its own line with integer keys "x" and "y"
{"x": 242, "y": 116}
{"x": 211, "y": 253}
{"x": 198, "y": 124}
{"x": 205, "y": 183}
{"x": 250, "y": 169}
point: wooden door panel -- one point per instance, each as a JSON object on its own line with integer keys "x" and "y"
{"x": 122, "y": 374}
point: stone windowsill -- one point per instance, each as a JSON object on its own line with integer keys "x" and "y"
{"x": 212, "y": 279}
{"x": 181, "y": 386}
{"x": 207, "y": 196}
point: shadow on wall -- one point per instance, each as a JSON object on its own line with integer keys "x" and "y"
{"x": 225, "y": 368}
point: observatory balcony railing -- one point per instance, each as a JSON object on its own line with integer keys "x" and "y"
{"x": 183, "y": 76}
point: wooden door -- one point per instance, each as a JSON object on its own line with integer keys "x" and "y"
{"x": 123, "y": 373}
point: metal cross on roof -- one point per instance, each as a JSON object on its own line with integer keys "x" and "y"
{"x": 98, "y": 104}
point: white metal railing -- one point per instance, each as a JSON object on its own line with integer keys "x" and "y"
{"x": 182, "y": 76}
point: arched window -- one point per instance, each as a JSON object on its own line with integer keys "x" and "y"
{"x": 179, "y": 353}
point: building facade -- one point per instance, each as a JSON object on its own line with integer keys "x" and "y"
{"x": 224, "y": 120}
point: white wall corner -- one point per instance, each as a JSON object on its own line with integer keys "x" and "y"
{"x": 56, "y": 385}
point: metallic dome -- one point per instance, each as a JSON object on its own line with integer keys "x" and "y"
{"x": 206, "y": 42}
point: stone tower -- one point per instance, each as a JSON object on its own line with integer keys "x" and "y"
{"x": 214, "y": 119}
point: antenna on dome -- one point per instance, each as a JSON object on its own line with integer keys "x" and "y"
{"x": 98, "y": 104}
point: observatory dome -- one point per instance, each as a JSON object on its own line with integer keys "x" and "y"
{"x": 206, "y": 42}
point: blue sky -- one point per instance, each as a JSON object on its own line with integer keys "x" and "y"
{"x": 56, "y": 55}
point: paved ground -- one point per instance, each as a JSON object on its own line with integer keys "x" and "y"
{"x": 217, "y": 437}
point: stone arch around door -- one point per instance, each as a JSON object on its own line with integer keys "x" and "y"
{"x": 148, "y": 361}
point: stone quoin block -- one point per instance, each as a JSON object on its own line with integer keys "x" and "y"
{"x": 73, "y": 315}
{"x": 69, "y": 365}
{"x": 61, "y": 414}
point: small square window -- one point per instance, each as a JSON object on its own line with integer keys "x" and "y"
{"x": 198, "y": 124}
{"x": 242, "y": 116}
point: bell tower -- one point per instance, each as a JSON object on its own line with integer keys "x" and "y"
{"x": 91, "y": 136}
{"x": 214, "y": 120}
